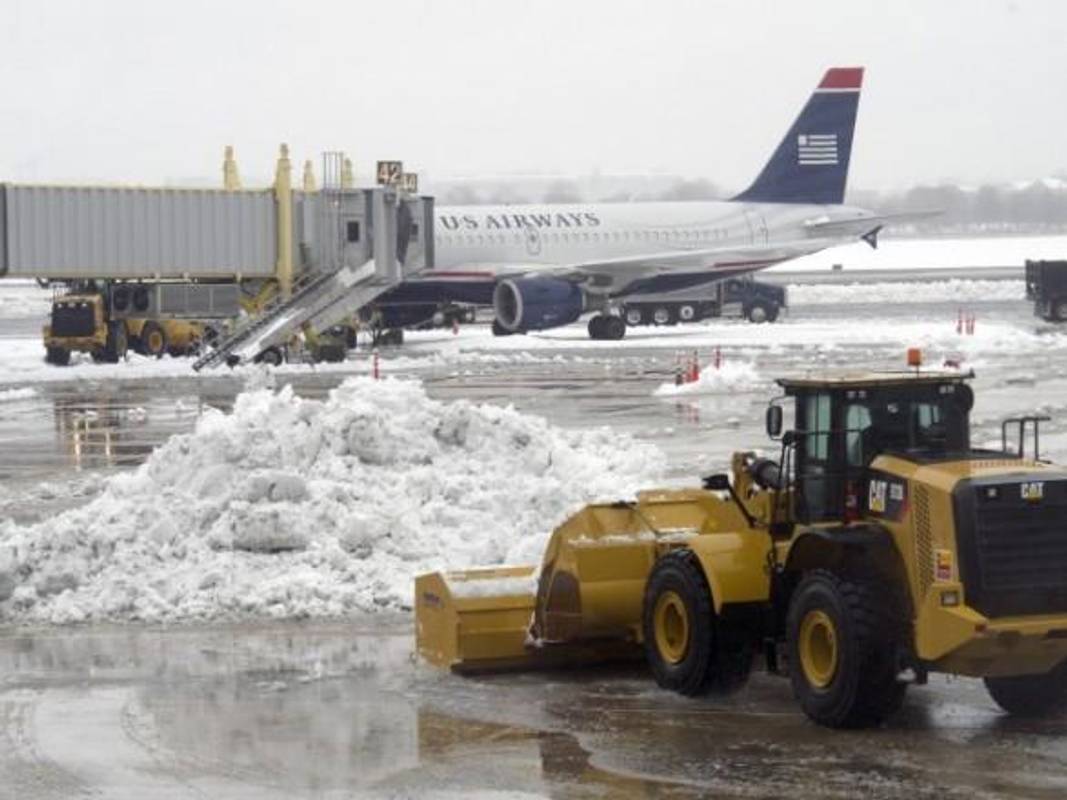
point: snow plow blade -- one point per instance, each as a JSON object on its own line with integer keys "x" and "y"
{"x": 582, "y": 605}
{"x": 480, "y": 620}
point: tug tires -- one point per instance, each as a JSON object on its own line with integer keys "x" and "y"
{"x": 842, "y": 636}
{"x": 1058, "y": 311}
{"x": 635, "y": 316}
{"x": 60, "y": 356}
{"x": 272, "y": 357}
{"x": 154, "y": 340}
{"x": 117, "y": 343}
{"x": 1033, "y": 696}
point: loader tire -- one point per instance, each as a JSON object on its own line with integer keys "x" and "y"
{"x": 679, "y": 625}
{"x": 843, "y": 636}
{"x": 1033, "y": 696}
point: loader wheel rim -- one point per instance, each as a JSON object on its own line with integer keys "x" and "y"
{"x": 818, "y": 648}
{"x": 672, "y": 627}
{"x": 155, "y": 342}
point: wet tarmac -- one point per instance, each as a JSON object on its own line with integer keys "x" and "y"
{"x": 341, "y": 709}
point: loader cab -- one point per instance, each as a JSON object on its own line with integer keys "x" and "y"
{"x": 842, "y": 424}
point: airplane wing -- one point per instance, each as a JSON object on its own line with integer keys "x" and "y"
{"x": 867, "y": 227}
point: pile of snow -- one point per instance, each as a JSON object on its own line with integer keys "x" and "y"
{"x": 730, "y": 377}
{"x": 21, "y": 393}
{"x": 906, "y": 292}
{"x": 291, "y": 507}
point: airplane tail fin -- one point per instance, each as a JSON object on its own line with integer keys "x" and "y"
{"x": 811, "y": 163}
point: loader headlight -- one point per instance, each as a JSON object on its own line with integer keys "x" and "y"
{"x": 950, "y": 598}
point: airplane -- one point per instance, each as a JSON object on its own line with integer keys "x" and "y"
{"x": 542, "y": 266}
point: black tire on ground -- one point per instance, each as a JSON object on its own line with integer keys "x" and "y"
{"x": 842, "y": 636}
{"x": 713, "y": 655}
{"x": 664, "y": 315}
{"x": 635, "y": 316}
{"x": 272, "y": 357}
{"x": 394, "y": 337}
{"x": 613, "y": 328}
{"x": 687, "y": 312}
{"x": 153, "y": 340}
{"x": 117, "y": 343}
{"x": 1058, "y": 310}
{"x": 60, "y": 356}
{"x": 596, "y": 327}
{"x": 1034, "y": 696}
{"x": 500, "y": 330}
{"x": 678, "y": 621}
{"x": 759, "y": 312}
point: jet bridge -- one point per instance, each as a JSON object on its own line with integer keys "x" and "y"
{"x": 370, "y": 240}
{"x": 173, "y": 253}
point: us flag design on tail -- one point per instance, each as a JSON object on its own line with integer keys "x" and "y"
{"x": 817, "y": 148}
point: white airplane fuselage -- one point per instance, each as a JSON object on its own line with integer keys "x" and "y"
{"x": 572, "y": 233}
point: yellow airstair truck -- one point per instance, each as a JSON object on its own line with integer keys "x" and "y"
{"x": 879, "y": 548}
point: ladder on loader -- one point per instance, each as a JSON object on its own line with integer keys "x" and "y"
{"x": 366, "y": 241}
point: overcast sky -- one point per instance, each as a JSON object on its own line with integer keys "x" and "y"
{"x": 962, "y": 90}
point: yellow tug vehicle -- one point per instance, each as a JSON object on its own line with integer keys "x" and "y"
{"x": 880, "y": 547}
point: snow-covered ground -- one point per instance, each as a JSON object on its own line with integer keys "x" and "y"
{"x": 290, "y": 507}
{"x": 954, "y": 290}
{"x": 22, "y": 393}
{"x": 970, "y": 257}
{"x": 23, "y": 299}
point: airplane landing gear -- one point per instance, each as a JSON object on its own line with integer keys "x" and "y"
{"x": 607, "y": 327}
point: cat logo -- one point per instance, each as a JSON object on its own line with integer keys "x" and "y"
{"x": 1033, "y": 491}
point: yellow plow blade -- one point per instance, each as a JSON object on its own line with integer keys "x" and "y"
{"x": 479, "y": 620}
{"x": 475, "y": 619}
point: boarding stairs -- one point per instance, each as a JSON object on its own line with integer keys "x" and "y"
{"x": 319, "y": 300}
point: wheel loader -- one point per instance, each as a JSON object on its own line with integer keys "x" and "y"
{"x": 879, "y": 547}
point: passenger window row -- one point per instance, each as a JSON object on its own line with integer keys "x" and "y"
{"x": 593, "y": 237}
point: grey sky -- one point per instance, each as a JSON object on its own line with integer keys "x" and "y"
{"x": 970, "y": 91}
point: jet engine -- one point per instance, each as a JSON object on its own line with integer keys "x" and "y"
{"x": 535, "y": 304}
